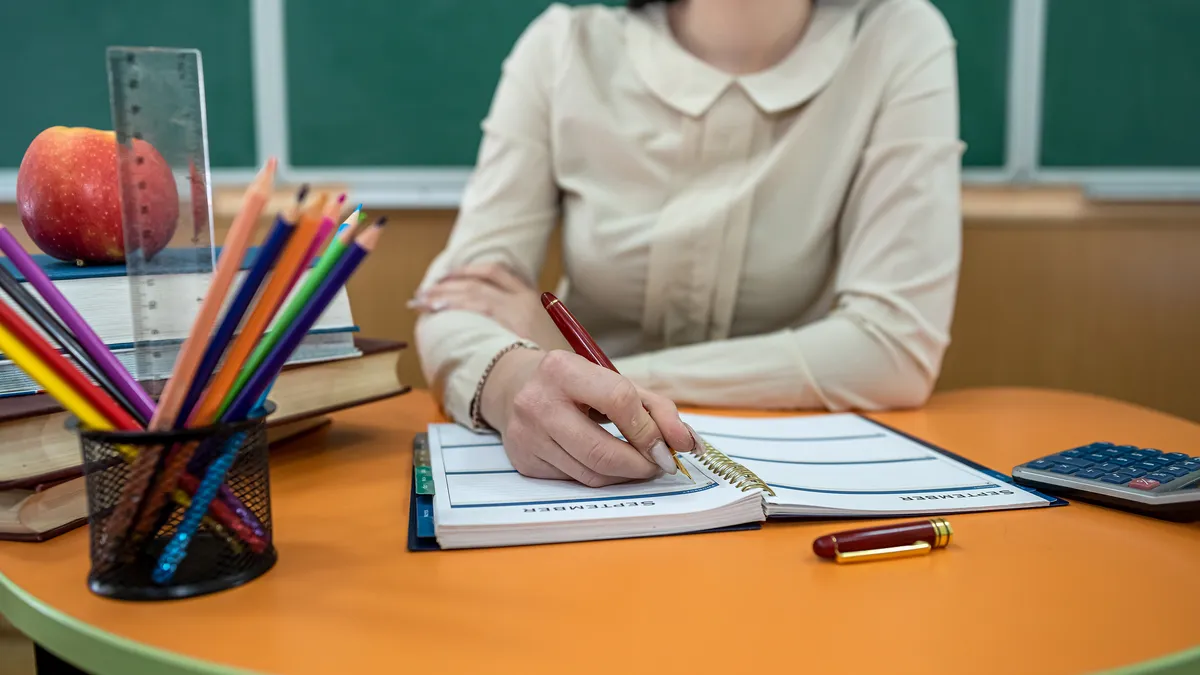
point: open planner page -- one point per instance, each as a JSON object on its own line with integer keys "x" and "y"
{"x": 846, "y": 464}
{"x": 476, "y": 487}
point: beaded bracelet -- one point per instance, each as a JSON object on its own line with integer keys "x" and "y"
{"x": 477, "y": 420}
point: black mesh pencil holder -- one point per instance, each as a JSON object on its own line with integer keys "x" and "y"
{"x": 179, "y": 513}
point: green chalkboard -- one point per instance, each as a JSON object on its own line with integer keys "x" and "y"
{"x": 396, "y": 83}
{"x": 393, "y": 84}
{"x": 982, "y": 29}
{"x": 54, "y": 66}
{"x": 1122, "y": 84}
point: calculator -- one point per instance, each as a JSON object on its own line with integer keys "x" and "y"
{"x": 1148, "y": 481}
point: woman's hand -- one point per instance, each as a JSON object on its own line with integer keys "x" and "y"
{"x": 539, "y": 401}
{"x": 491, "y": 289}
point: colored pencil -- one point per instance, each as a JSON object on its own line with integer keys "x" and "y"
{"x": 176, "y": 549}
{"x": 95, "y": 347}
{"x": 211, "y": 403}
{"x": 297, "y": 303}
{"x": 178, "y": 459}
{"x": 326, "y": 228}
{"x": 60, "y": 366}
{"x": 133, "y": 492}
{"x": 278, "y": 236}
{"x": 67, "y": 342}
{"x": 202, "y": 326}
{"x": 284, "y": 237}
{"x": 341, "y": 238}
{"x": 295, "y": 331}
{"x": 73, "y": 401}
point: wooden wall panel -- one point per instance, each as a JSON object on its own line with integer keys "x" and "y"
{"x": 1055, "y": 292}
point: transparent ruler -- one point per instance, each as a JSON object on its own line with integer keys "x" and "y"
{"x": 158, "y": 114}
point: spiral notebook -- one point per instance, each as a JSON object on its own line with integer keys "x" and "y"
{"x": 825, "y": 466}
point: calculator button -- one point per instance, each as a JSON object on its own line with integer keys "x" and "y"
{"x": 1072, "y": 453}
{"x": 1139, "y": 454}
{"x": 1110, "y": 452}
{"x": 1175, "y": 456}
{"x": 1041, "y": 464}
{"x": 1089, "y": 473}
{"x": 1116, "y": 478}
{"x": 1064, "y": 468}
{"x": 1096, "y": 457}
{"x": 1073, "y": 461}
{"x": 1099, "y": 445}
{"x": 1160, "y": 460}
{"x": 1126, "y": 448}
{"x": 1160, "y": 476}
{"x": 1123, "y": 461}
{"x": 1152, "y": 452}
{"x": 1143, "y": 483}
{"x": 1130, "y": 471}
{"x": 1177, "y": 471}
{"x": 1149, "y": 466}
{"x": 1192, "y": 464}
{"x": 1108, "y": 467}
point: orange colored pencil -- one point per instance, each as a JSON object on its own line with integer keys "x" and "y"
{"x": 260, "y": 317}
{"x": 326, "y": 228}
{"x": 232, "y": 253}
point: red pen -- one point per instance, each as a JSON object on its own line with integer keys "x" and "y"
{"x": 584, "y": 345}
{"x": 898, "y": 540}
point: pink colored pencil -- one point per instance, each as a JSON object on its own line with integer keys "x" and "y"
{"x": 319, "y": 239}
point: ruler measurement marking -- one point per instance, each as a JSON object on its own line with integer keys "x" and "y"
{"x": 157, "y": 97}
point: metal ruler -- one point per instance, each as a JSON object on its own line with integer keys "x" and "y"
{"x": 157, "y": 100}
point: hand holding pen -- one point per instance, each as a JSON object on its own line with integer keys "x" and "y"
{"x": 539, "y": 401}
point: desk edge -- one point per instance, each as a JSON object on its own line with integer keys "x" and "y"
{"x": 103, "y": 653}
{"x": 88, "y": 647}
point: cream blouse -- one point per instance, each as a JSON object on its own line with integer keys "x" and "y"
{"x": 786, "y": 239}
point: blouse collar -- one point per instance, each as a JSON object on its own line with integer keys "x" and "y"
{"x": 690, "y": 85}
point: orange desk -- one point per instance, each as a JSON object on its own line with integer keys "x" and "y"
{"x": 1075, "y": 589}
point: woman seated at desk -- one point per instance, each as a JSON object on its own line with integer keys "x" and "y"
{"x": 760, "y": 203}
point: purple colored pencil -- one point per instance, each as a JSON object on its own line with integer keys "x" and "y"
{"x": 92, "y": 344}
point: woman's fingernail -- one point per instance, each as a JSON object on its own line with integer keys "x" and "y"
{"x": 438, "y": 305}
{"x": 699, "y": 448}
{"x": 662, "y": 457}
{"x": 415, "y": 303}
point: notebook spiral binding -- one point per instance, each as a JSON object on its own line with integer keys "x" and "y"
{"x": 731, "y": 471}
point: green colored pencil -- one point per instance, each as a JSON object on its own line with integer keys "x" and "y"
{"x": 337, "y": 246}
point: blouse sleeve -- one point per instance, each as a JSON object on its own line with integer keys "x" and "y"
{"x": 900, "y": 245}
{"x": 508, "y": 211}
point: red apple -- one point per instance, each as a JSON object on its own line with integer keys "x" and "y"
{"x": 69, "y": 197}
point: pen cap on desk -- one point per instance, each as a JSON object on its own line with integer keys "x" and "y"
{"x": 885, "y": 541}
{"x": 232, "y": 543}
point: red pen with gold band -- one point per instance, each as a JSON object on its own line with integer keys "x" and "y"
{"x": 881, "y": 542}
{"x": 584, "y": 345}
{"x": 574, "y": 333}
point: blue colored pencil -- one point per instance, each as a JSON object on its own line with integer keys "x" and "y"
{"x": 267, "y": 254}
{"x": 247, "y": 400}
